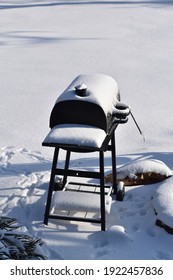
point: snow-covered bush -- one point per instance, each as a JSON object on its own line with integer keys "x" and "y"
{"x": 17, "y": 245}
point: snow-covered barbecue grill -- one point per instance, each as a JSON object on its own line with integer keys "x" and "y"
{"x": 84, "y": 119}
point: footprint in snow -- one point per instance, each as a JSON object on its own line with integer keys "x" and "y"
{"x": 162, "y": 255}
{"x": 151, "y": 231}
{"x": 140, "y": 205}
{"x": 115, "y": 238}
{"x": 30, "y": 179}
{"x": 143, "y": 212}
{"x": 6, "y": 155}
{"x": 36, "y": 155}
{"x": 124, "y": 212}
{"x": 136, "y": 227}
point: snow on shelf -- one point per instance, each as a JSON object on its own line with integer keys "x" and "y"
{"x": 75, "y": 134}
{"x": 79, "y": 202}
{"x": 101, "y": 89}
{"x": 162, "y": 202}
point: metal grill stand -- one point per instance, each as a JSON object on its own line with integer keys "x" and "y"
{"x": 108, "y": 145}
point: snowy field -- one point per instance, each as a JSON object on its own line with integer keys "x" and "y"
{"x": 44, "y": 45}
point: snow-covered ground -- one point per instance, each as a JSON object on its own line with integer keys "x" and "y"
{"x": 44, "y": 45}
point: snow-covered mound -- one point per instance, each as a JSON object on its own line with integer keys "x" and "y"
{"x": 162, "y": 202}
{"x": 141, "y": 172}
{"x": 143, "y": 166}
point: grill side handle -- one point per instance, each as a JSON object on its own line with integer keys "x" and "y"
{"x": 121, "y": 112}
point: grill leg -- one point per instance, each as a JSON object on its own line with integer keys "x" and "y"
{"x": 52, "y": 177}
{"x": 102, "y": 192}
{"x": 67, "y": 161}
{"x": 114, "y": 172}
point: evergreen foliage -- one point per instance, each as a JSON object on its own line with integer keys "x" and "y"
{"x": 17, "y": 245}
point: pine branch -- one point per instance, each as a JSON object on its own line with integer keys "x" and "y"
{"x": 8, "y": 223}
{"x": 16, "y": 245}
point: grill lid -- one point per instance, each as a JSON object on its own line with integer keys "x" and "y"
{"x": 101, "y": 90}
{"x": 88, "y": 100}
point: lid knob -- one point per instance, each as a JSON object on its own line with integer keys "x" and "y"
{"x": 81, "y": 90}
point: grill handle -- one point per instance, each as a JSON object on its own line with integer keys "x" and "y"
{"x": 121, "y": 112}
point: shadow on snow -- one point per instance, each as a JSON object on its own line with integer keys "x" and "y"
{"x": 68, "y": 3}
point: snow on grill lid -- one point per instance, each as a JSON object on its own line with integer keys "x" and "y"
{"x": 101, "y": 90}
{"x": 88, "y": 100}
